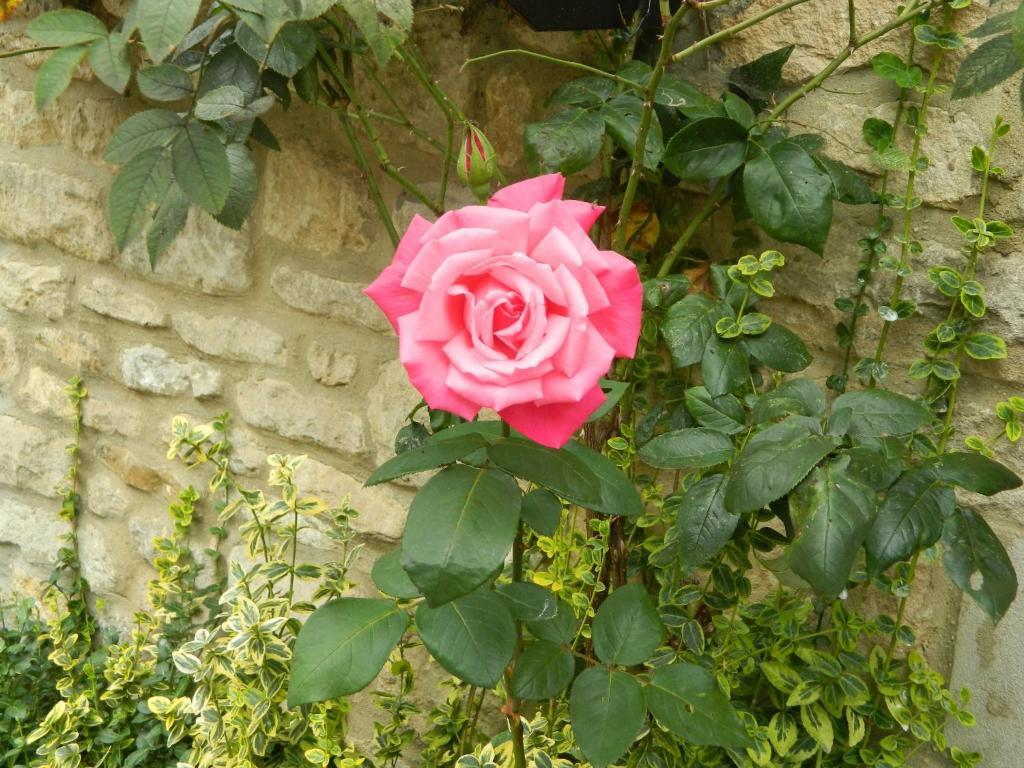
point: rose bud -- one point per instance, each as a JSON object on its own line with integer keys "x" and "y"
{"x": 478, "y": 163}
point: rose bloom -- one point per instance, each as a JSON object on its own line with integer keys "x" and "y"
{"x": 511, "y": 306}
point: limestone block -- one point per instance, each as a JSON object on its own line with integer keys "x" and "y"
{"x": 43, "y": 393}
{"x": 278, "y": 406}
{"x": 381, "y": 509}
{"x": 142, "y": 531}
{"x": 134, "y": 472}
{"x": 73, "y": 218}
{"x": 122, "y": 302}
{"x": 79, "y": 350}
{"x": 233, "y": 338}
{"x": 151, "y": 369}
{"x": 9, "y": 365}
{"x": 205, "y": 257}
{"x": 330, "y": 366}
{"x": 990, "y": 661}
{"x": 99, "y": 567}
{"x": 320, "y": 295}
{"x": 331, "y": 214}
{"x": 104, "y": 496}
{"x": 32, "y": 458}
{"x": 39, "y": 291}
{"x": 391, "y": 400}
{"x": 36, "y": 531}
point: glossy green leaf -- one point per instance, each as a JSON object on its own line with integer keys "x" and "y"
{"x": 703, "y": 524}
{"x": 627, "y": 628}
{"x": 231, "y": 66}
{"x": 686, "y": 700}
{"x": 472, "y": 637}
{"x": 691, "y": 448}
{"x": 778, "y": 348}
{"x": 985, "y": 346}
{"x": 435, "y": 453}
{"x": 201, "y": 166}
{"x": 142, "y": 131}
{"x": 55, "y": 74}
{"x": 582, "y": 92}
{"x": 244, "y": 181}
{"x": 164, "y": 23}
{"x": 772, "y": 464}
{"x": 140, "y": 185}
{"x": 560, "y": 628}
{"x": 878, "y": 462}
{"x": 382, "y": 37}
{"x": 789, "y": 196}
{"x": 688, "y": 325}
{"x": 528, "y": 602}
{"x": 974, "y": 472}
{"x": 978, "y": 564}
{"x": 762, "y": 77}
{"x": 164, "y": 82}
{"x": 802, "y": 397}
{"x": 542, "y": 511}
{"x": 725, "y": 366}
{"x": 617, "y": 493}
{"x": 568, "y": 141}
{"x": 832, "y": 512}
{"x": 878, "y": 412}
{"x": 724, "y": 414}
{"x": 848, "y": 186}
{"x": 543, "y": 671}
{"x": 391, "y": 579}
{"x": 294, "y": 46}
{"x": 342, "y": 647}
{"x": 993, "y": 62}
{"x": 622, "y": 121}
{"x": 108, "y": 58}
{"x": 910, "y": 518}
{"x": 461, "y": 526}
{"x": 707, "y": 149}
{"x": 167, "y": 224}
{"x": 606, "y": 707}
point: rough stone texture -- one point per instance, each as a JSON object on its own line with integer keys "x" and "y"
{"x": 232, "y": 338}
{"x": 330, "y": 366}
{"x": 79, "y": 350}
{"x": 280, "y": 407}
{"x": 151, "y": 369}
{"x": 8, "y": 355}
{"x": 35, "y": 533}
{"x": 44, "y": 394}
{"x": 122, "y": 302}
{"x": 33, "y": 290}
{"x": 390, "y": 403}
{"x": 320, "y": 295}
{"x": 30, "y": 457}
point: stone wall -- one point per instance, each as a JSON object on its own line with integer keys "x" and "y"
{"x": 269, "y": 324}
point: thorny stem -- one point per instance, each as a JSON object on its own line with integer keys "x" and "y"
{"x": 646, "y": 117}
{"x": 513, "y": 704}
{"x": 555, "y": 60}
{"x": 851, "y": 16}
{"x": 26, "y": 51}
{"x": 920, "y": 129}
{"x": 728, "y": 32}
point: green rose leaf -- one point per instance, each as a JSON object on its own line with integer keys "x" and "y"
{"x": 66, "y": 27}
{"x": 725, "y": 366}
{"x": 687, "y": 701}
{"x": 691, "y": 448}
{"x": 627, "y": 628}
{"x": 974, "y": 472}
{"x": 832, "y": 512}
{"x": 688, "y": 326}
{"x": 543, "y": 671}
{"x": 435, "y": 453}
{"x": 789, "y": 196}
{"x": 201, "y": 166}
{"x": 244, "y": 183}
{"x": 993, "y": 62}
{"x": 723, "y": 414}
{"x": 607, "y": 710}
{"x": 164, "y": 23}
{"x": 54, "y": 76}
{"x": 978, "y": 564}
{"x": 772, "y": 464}
{"x": 142, "y": 183}
{"x": 169, "y": 220}
{"x": 707, "y": 149}
{"x": 461, "y": 526}
{"x": 142, "y": 131}
{"x": 108, "y": 58}
{"x": 910, "y": 519}
{"x": 342, "y": 647}
{"x": 391, "y": 579}
{"x": 801, "y": 397}
{"x": 164, "y": 82}
{"x": 568, "y": 141}
{"x": 778, "y": 348}
{"x": 622, "y": 120}
{"x": 703, "y": 524}
{"x": 528, "y": 602}
{"x": 878, "y": 412}
{"x": 472, "y": 637}
{"x": 542, "y": 511}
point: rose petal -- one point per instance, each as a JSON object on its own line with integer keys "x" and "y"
{"x": 553, "y": 425}
{"x": 619, "y": 324}
{"x": 427, "y": 366}
{"x": 387, "y": 290}
{"x": 523, "y": 195}
{"x": 585, "y": 213}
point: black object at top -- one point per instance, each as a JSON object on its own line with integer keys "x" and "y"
{"x": 567, "y": 15}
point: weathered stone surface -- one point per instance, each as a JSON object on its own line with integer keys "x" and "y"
{"x": 43, "y": 393}
{"x": 122, "y": 302}
{"x": 72, "y": 219}
{"x": 28, "y": 289}
{"x": 205, "y": 257}
{"x": 391, "y": 400}
{"x": 990, "y": 661}
{"x": 142, "y": 531}
{"x": 151, "y": 369}
{"x": 320, "y": 295}
{"x": 105, "y": 497}
{"x": 278, "y": 406}
{"x": 31, "y": 458}
{"x": 334, "y": 209}
{"x": 507, "y": 97}
{"x": 9, "y": 364}
{"x": 135, "y": 473}
{"x": 330, "y": 366}
{"x": 233, "y": 338}
{"x": 99, "y": 567}
{"x": 35, "y": 530}
{"x": 79, "y": 350}
{"x": 381, "y": 509}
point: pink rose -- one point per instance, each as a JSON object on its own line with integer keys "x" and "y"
{"x": 511, "y": 306}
